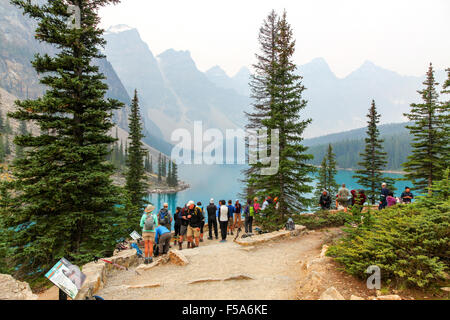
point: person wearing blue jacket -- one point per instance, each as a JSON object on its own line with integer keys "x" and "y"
{"x": 162, "y": 239}
{"x": 230, "y": 217}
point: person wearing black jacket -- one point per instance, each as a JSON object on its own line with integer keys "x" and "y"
{"x": 212, "y": 219}
{"x": 177, "y": 225}
{"x": 195, "y": 218}
{"x": 325, "y": 201}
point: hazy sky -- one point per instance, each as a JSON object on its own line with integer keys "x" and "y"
{"x": 400, "y": 35}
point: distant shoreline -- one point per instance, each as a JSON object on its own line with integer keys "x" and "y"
{"x": 384, "y": 171}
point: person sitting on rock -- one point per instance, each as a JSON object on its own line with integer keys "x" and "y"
{"x": 325, "y": 200}
{"x": 162, "y": 239}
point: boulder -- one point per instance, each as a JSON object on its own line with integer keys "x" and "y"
{"x": 446, "y": 289}
{"x": 331, "y": 294}
{"x": 324, "y": 251}
{"x": 389, "y": 297}
{"x": 176, "y": 257}
{"x": 12, "y": 289}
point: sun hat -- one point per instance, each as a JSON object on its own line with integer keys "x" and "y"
{"x": 149, "y": 208}
{"x": 190, "y": 203}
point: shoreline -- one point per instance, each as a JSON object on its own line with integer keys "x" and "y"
{"x": 154, "y": 186}
{"x": 383, "y": 171}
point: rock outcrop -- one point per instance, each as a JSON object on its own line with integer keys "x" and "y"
{"x": 12, "y": 289}
{"x": 331, "y": 294}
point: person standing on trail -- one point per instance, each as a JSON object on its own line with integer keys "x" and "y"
{"x": 212, "y": 219}
{"x": 249, "y": 214}
{"x": 149, "y": 222}
{"x": 383, "y": 196}
{"x": 256, "y": 205}
{"x": 325, "y": 200}
{"x": 195, "y": 218}
{"x": 177, "y": 225}
{"x": 237, "y": 215}
{"x": 223, "y": 220}
{"x": 343, "y": 197}
{"x": 202, "y": 226}
{"x": 184, "y": 223}
{"x": 162, "y": 239}
{"x": 165, "y": 216}
{"x": 230, "y": 217}
{"x": 407, "y": 196}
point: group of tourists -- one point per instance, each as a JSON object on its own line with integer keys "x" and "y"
{"x": 189, "y": 222}
{"x": 346, "y": 198}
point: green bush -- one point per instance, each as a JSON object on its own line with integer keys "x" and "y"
{"x": 322, "y": 219}
{"x": 410, "y": 243}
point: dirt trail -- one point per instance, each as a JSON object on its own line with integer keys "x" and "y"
{"x": 274, "y": 268}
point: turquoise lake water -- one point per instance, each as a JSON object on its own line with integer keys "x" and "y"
{"x": 222, "y": 182}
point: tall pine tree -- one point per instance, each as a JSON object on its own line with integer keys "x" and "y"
{"x": 136, "y": 184}
{"x": 159, "y": 168}
{"x": 63, "y": 193}
{"x": 327, "y": 174}
{"x": 284, "y": 102}
{"x": 374, "y": 161}
{"x": 429, "y": 156}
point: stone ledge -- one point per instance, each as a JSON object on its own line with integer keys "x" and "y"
{"x": 266, "y": 237}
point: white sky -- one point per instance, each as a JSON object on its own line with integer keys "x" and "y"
{"x": 400, "y": 35}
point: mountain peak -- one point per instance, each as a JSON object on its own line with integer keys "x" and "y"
{"x": 216, "y": 71}
{"x": 119, "y": 28}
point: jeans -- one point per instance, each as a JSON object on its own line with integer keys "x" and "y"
{"x": 223, "y": 229}
{"x": 212, "y": 223}
{"x": 164, "y": 243}
{"x": 248, "y": 224}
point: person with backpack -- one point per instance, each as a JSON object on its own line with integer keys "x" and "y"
{"x": 202, "y": 226}
{"x": 325, "y": 201}
{"x": 344, "y": 197}
{"x": 149, "y": 222}
{"x": 212, "y": 219}
{"x": 249, "y": 214}
{"x": 230, "y": 217}
{"x": 184, "y": 223}
{"x": 165, "y": 217}
{"x": 162, "y": 239}
{"x": 237, "y": 215}
{"x": 195, "y": 219}
{"x": 177, "y": 225}
{"x": 223, "y": 220}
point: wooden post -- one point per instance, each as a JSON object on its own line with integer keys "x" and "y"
{"x": 62, "y": 295}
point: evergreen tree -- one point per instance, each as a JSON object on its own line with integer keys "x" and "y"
{"x": 136, "y": 184}
{"x": 370, "y": 175}
{"x": 430, "y": 137}
{"x": 169, "y": 175}
{"x": 64, "y": 199}
{"x": 164, "y": 166}
{"x": 174, "y": 174}
{"x": 261, "y": 93}
{"x": 159, "y": 168}
{"x": 327, "y": 174}
{"x": 22, "y": 131}
{"x": 445, "y": 115}
{"x": 284, "y": 103}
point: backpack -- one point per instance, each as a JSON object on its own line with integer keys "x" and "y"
{"x": 164, "y": 217}
{"x": 251, "y": 211}
{"x": 290, "y": 225}
{"x": 149, "y": 222}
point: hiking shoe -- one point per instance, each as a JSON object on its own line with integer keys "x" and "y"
{"x": 223, "y": 240}
{"x": 201, "y": 240}
{"x": 189, "y": 245}
{"x": 146, "y": 261}
{"x": 150, "y": 260}
{"x": 217, "y": 238}
{"x": 232, "y": 233}
{"x": 180, "y": 246}
{"x": 210, "y": 238}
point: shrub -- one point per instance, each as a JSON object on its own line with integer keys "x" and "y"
{"x": 322, "y": 219}
{"x": 410, "y": 243}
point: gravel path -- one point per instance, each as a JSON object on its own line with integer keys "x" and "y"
{"x": 274, "y": 268}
